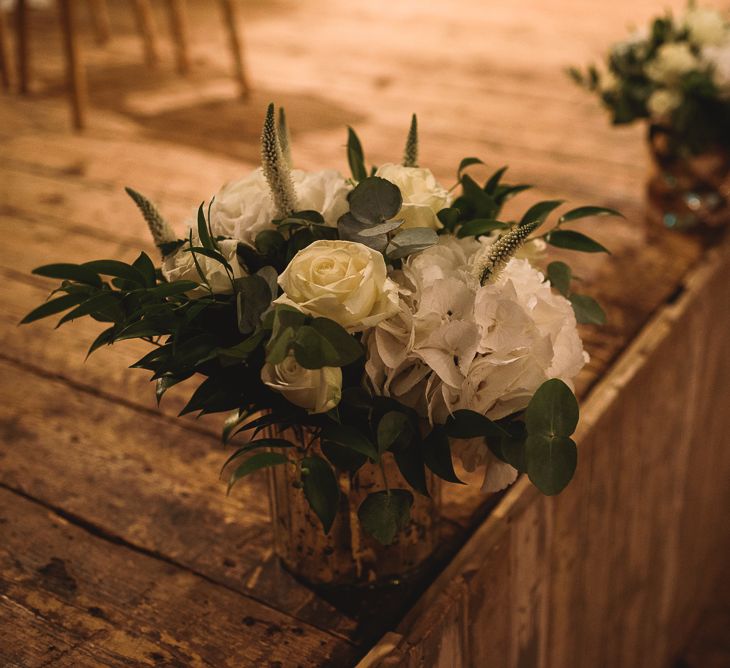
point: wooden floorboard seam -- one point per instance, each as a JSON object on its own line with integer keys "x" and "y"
{"x": 105, "y": 535}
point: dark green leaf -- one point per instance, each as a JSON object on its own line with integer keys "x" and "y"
{"x": 383, "y": 228}
{"x": 174, "y": 289}
{"x": 553, "y": 410}
{"x": 470, "y": 424}
{"x": 587, "y": 310}
{"x": 355, "y": 156}
{"x": 559, "y": 274}
{"x": 277, "y": 443}
{"x": 147, "y": 268}
{"x": 254, "y": 463}
{"x": 375, "y": 200}
{"x": 479, "y": 226}
{"x": 253, "y": 297}
{"x": 409, "y": 458}
{"x": 203, "y": 233}
{"x": 98, "y": 304}
{"x": 551, "y": 462}
{"x": 394, "y": 429}
{"x": 321, "y": 489}
{"x": 105, "y": 338}
{"x": 574, "y": 241}
{"x": 343, "y": 458}
{"x": 212, "y": 254}
{"x": 437, "y": 455}
{"x": 384, "y": 514}
{"x": 116, "y": 268}
{"x": 269, "y": 242}
{"x": 347, "y": 347}
{"x": 54, "y": 306}
{"x": 350, "y": 437}
{"x": 483, "y": 203}
{"x": 69, "y": 272}
{"x": 587, "y": 212}
{"x": 449, "y": 217}
{"x": 539, "y": 212}
{"x": 490, "y": 186}
{"x": 467, "y": 162}
{"x": 312, "y": 350}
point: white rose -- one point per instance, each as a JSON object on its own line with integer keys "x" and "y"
{"x": 243, "y": 208}
{"x": 344, "y": 281}
{"x": 719, "y": 58}
{"x": 671, "y": 62}
{"x": 663, "y": 102}
{"x": 423, "y": 196}
{"x": 316, "y": 390}
{"x": 706, "y": 26}
{"x": 181, "y": 266}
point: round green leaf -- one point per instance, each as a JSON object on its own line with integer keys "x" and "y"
{"x": 552, "y": 411}
{"x": 587, "y": 310}
{"x": 384, "y": 514}
{"x": 551, "y": 462}
{"x": 374, "y": 200}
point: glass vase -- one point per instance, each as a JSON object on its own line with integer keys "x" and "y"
{"x": 347, "y": 556}
{"x": 687, "y": 191}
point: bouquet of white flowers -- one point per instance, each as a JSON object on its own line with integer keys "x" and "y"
{"x": 378, "y": 315}
{"x": 677, "y": 74}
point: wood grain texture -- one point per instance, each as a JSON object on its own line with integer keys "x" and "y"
{"x": 86, "y": 442}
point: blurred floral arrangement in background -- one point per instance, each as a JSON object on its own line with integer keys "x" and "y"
{"x": 676, "y": 73}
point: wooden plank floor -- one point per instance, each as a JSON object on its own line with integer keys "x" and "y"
{"x": 119, "y": 546}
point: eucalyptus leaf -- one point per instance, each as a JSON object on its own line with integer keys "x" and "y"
{"x": 383, "y": 228}
{"x": 375, "y": 200}
{"x": 253, "y": 297}
{"x": 394, "y": 428}
{"x": 348, "y": 348}
{"x": 350, "y": 228}
{"x": 321, "y": 489}
{"x": 553, "y": 410}
{"x": 384, "y": 514}
{"x": 551, "y": 462}
{"x": 412, "y": 240}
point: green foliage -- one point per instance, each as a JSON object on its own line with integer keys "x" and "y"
{"x": 355, "y": 156}
{"x": 410, "y": 241}
{"x": 550, "y": 419}
{"x": 321, "y": 489}
{"x": 573, "y": 240}
{"x": 254, "y": 463}
{"x": 587, "y": 310}
{"x": 384, "y": 514}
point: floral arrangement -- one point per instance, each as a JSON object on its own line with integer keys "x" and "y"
{"x": 373, "y": 316}
{"x": 677, "y": 74}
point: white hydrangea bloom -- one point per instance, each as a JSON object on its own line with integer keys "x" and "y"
{"x": 456, "y": 344}
{"x": 663, "y": 102}
{"x": 243, "y": 208}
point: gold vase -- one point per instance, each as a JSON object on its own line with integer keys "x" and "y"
{"x": 347, "y": 555}
{"x": 687, "y": 191}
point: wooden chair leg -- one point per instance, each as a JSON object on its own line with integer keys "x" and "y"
{"x": 179, "y": 29}
{"x": 236, "y": 45}
{"x": 6, "y": 63}
{"x": 146, "y": 27}
{"x": 100, "y": 20}
{"x": 21, "y": 42}
{"x": 74, "y": 68}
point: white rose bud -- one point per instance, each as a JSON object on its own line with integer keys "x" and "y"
{"x": 671, "y": 62}
{"x": 706, "y": 26}
{"x": 423, "y": 196}
{"x": 663, "y": 102}
{"x": 315, "y": 390}
{"x": 181, "y": 266}
{"x": 344, "y": 281}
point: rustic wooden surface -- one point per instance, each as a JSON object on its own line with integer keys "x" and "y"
{"x": 119, "y": 546}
